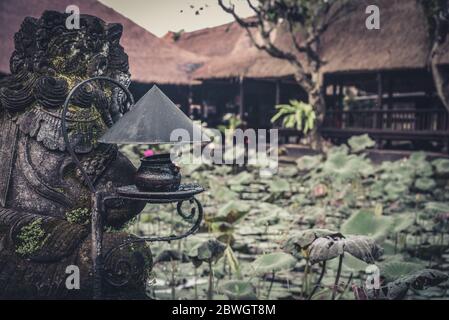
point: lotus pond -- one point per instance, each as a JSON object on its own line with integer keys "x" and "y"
{"x": 331, "y": 226}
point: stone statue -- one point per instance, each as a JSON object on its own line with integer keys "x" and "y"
{"x": 44, "y": 203}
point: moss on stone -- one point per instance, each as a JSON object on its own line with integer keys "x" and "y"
{"x": 31, "y": 238}
{"x": 79, "y": 216}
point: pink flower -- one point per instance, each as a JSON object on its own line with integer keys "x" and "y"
{"x": 319, "y": 191}
{"x": 148, "y": 153}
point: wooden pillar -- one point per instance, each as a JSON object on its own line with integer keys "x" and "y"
{"x": 204, "y": 98}
{"x": 340, "y": 96}
{"x": 189, "y": 100}
{"x": 377, "y": 116}
{"x": 379, "y": 98}
{"x": 390, "y": 101}
{"x": 242, "y": 97}
{"x": 334, "y": 96}
{"x": 278, "y": 92}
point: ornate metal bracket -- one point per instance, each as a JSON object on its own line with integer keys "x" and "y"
{"x": 126, "y": 266}
{"x": 186, "y": 192}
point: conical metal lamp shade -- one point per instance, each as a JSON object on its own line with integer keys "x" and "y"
{"x": 152, "y": 120}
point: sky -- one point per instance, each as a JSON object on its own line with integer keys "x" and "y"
{"x": 161, "y": 16}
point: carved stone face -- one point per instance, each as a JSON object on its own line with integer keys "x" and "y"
{"x": 48, "y": 61}
{"x": 37, "y": 174}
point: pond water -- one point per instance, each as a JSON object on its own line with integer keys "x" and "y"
{"x": 401, "y": 207}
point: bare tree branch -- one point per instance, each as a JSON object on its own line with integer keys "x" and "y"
{"x": 268, "y": 45}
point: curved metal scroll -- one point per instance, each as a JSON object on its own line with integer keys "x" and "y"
{"x": 126, "y": 266}
{"x": 64, "y": 122}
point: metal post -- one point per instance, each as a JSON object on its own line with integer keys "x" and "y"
{"x": 96, "y": 197}
{"x": 97, "y": 239}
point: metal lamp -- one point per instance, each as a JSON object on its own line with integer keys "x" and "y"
{"x": 150, "y": 121}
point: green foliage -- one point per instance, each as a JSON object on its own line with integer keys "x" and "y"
{"x": 341, "y": 166}
{"x": 441, "y": 166}
{"x": 238, "y": 290}
{"x": 425, "y": 184}
{"x": 243, "y": 178}
{"x": 394, "y": 268}
{"x": 360, "y": 143}
{"x": 402, "y": 222}
{"x": 279, "y": 185}
{"x": 232, "y": 121}
{"x": 322, "y": 245}
{"x": 437, "y": 207}
{"x": 251, "y": 215}
{"x": 417, "y": 281}
{"x": 273, "y": 262}
{"x": 232, "y": 211}
{"x": 300, "y": 12}
{"x": 177, "y": 35}
{"x": 297, "y": 114}
{"x": 31, "y": 238}
{"x": 366, "y": 223}
{"x": 208, "y": 251}
{"x": 307, "y": 163}
{"x": 79, "y": 216}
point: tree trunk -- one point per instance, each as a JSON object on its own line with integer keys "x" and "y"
{"x": 440, "y": 76}
{"x": 316, "y": 99}
{"x": 314, "y": 88}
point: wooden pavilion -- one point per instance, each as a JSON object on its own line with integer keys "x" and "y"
{"x": 238, "y": 78}
{"x": 378, "y": 81}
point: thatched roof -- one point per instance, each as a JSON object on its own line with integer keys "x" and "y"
{"x": 402, "y": 42}
{"x": 348, "y": 46}
{"x": 212, "y": 42}
{"x": 151, "y": 59}
{"x": 232, "y": 54}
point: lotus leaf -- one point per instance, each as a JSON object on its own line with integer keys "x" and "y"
{"x": 243, "y": 178}
{"x": 360, "y": 143}
{"x": 208, "y": 251}
{"x": 403, "y": 222}
{"x": 232, "y": 211}
{"x": 287, "y": 172}
{"x": 238, "y": 290}
{"x": 361, "y": 247}
{"x": 279, "y": 185}
{"x": 425, "y": 184}
{"x": 300, "y": 240}
{"x": 394, "y": 190}
{"x": 437, "y": 207}
{"x": 441, "y": 166}
{"x": 307, "y": 163}
{"x": 392, "y": 269}
{"x": 419, "y": 280}
{"x": 273, "y": 262}
{"x": 366, "y": 223}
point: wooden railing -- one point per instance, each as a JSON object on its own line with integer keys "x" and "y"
{"x": 409, "y": 120}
